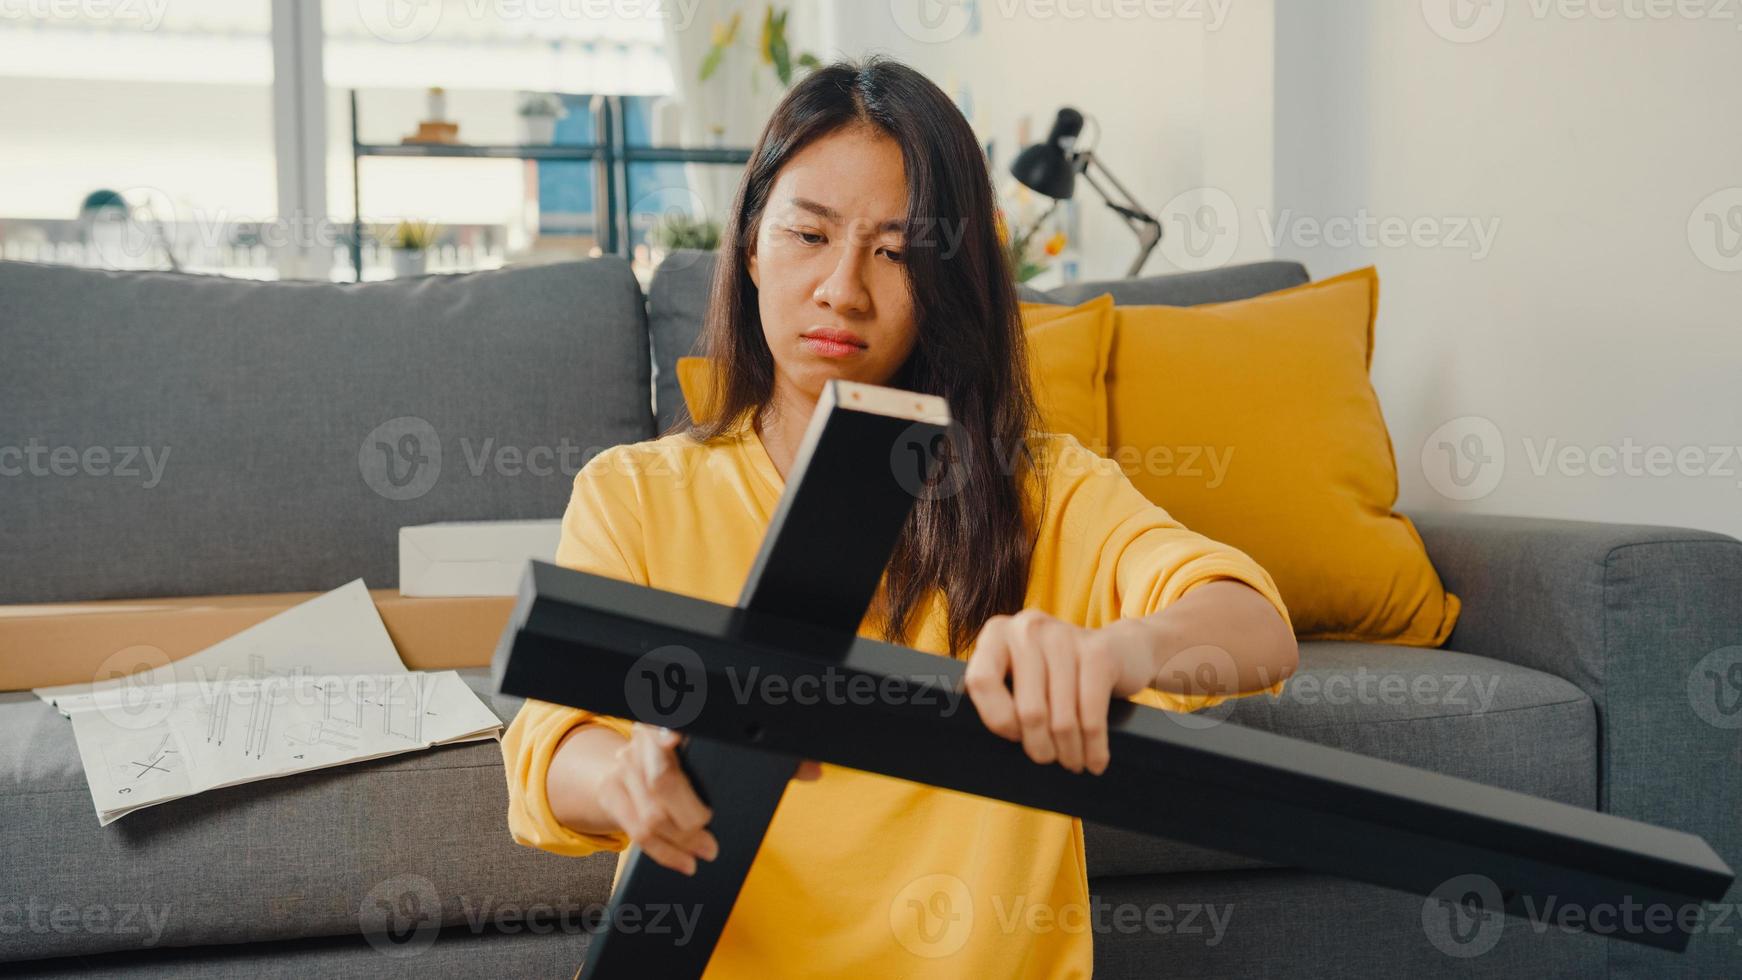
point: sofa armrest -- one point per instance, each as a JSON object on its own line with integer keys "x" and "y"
{"x": 1647, "y": 621}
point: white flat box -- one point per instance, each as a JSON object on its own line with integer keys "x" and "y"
{"x": 472, "y": 558}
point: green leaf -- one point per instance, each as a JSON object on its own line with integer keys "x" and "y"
{"x": 711, "y": 63}
{"x": 808, "y": 60}
{"x": 782, "y": 58}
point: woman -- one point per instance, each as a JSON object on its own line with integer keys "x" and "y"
{"x": 862, "y": 245}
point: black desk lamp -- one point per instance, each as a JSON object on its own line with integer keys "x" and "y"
{"x": 1051, "y": 169}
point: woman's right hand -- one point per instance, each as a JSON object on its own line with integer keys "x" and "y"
{"x": 646, "y": 792}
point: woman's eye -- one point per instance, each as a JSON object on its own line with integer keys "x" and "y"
{"x": 892, "y": 254}
{"x": 808, "y": 237}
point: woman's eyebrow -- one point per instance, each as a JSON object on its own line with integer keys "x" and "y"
{"x": 830, "y": 214}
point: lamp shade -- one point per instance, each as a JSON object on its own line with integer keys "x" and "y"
{"x": 1046, "y": 169}
{"x": 1050, "y": 168}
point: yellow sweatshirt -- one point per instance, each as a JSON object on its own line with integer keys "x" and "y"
{"x": 862, "y": 875}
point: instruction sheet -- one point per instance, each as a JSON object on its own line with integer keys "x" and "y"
{"x": 318, "y": 685}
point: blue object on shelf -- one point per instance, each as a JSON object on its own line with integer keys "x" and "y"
{"x": 566, "y": 200}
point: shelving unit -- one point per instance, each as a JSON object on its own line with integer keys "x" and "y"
{"x": 611, "y": 158}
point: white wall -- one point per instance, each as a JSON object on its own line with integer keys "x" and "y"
{"x": 1596, "y": 319}
{"x": 60, "y": 139}
{"x": 1540, "y": 172}
{"x": 1141, "y": 76}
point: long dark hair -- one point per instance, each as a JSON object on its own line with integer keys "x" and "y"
{"x": 975, "y": 544}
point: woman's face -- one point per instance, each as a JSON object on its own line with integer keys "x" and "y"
{"x": 827, "y": 263}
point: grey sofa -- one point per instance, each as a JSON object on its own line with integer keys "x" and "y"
{"x": 1572, "y": 673}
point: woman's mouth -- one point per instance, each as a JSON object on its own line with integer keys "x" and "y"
{"x": 823, "y": 347}
{"x": 832, "y": 342}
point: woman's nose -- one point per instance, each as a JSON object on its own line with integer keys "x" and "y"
{"x": 844, "y": 290}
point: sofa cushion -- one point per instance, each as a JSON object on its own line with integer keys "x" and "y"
{"x": 303, "y": 855}
{"x": 1453, "y": 713}
{"x": 196, "y": 435}
{"x": 1255, "y": 423}
{"x": 677, "y": 299}
{"x": 1223, "y": 285}
{"x": 512, "y": 941}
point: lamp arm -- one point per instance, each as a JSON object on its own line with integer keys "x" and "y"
{"x": 1142, "y": 223}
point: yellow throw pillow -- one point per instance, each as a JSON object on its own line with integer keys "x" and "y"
{"x": 1255, "y": 423}
{"x": 1068, "y": 350}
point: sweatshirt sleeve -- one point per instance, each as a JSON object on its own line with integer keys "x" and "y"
{"x": 601, "y": 534}
{"x": 1133, "y": 559}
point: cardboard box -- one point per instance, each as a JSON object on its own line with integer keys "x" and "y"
{"x": 80, "y": 642}
{"x": 472, "y": 558}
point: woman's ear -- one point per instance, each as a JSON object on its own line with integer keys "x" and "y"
{"x": 755, "y": 276}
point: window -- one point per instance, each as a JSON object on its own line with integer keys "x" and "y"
{"x": 492, "y": 61}
{"x": 143, "y": 135}
{"x": 138, "y": 135}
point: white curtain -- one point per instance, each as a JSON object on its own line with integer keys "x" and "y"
{"x": 728, "y": 109}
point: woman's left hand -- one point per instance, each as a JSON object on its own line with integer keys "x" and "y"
{"x": 1062, "y": 679}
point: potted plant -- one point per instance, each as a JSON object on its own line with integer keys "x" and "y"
{"x": 411, "y": 242}
{"x": 539, "y": 112}
{"x": 1026, "y": 258}
{"x": 678, "y": 229}
{"x": 773, "y": 50}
